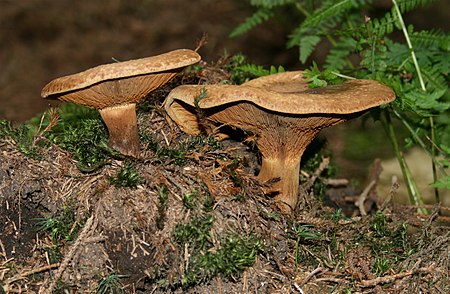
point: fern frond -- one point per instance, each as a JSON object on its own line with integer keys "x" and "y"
{"x": 427, "y": 39}
{"x": 337, "y": 57}
{"x": 257, "y": 18}
{"x": 408, "y": 5}
{"x": 258, "y": 70}
{"x": 434, "y": 79}
{"x": 270, "y": 3}
{"x": 380, "y": 27}
{"x": 330, "y": 10}
{"x": 425, "y": 103}
{"x": 306, "y": 46}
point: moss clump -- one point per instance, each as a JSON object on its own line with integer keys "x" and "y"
{"x": 81, "y": 131}
{"x": 234, "y": 255}
{"x": 60, "y": 227}
{"x": 228, "y": 258}
{"x": 126, "y": 177}
{"x": 178, "y": 154}
{"x": 23, "y": 136}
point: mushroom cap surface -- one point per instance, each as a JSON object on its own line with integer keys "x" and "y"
{"x": 289, "y": 93}
{"x": 121, "y": 82}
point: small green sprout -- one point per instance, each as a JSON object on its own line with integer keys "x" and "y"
{"x": 189, "y": 199}
{"x": 163, "y": 199}
{"x": 380, "y": 266}
{"x": 126, "y": 177}
{"x": 299, "y": 233}
{"x": 111, "y": 284}
{"x": 379, "y": 225}
{"x": 317, "y": 78}
{"x": 60, "y": 227}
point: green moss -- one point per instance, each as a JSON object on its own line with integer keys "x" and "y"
{"x": 126, "y": 177}
{"x": 61, "y": 227}
{"x": 178, "y": 153}
{"x": 190, "y": 199}
{"x": 110, "y": 284}
{"x": 162, "y": 207}
{"x": 196, "y": 232}
{"x": 23, "y": 135}
{"x": 235, "y": 253}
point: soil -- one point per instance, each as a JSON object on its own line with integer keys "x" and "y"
{"x": 145, "y": 238}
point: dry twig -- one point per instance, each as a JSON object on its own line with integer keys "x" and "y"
{"x": 391, "y": 278}
{"x": 30, "y": 272}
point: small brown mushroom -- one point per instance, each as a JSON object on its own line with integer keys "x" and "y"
{"x": 283, "y": 113}
{"x": 115, "y": 88}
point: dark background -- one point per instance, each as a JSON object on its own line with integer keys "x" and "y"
{"x": 44, "y": 39}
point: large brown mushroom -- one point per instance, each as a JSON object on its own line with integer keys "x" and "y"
{"x": 283, "y": 113}
{"x": 115, "y": 88}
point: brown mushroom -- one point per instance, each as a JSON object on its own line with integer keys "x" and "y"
{"x": 115, "y": 88}
{"x": 283, "y": 113}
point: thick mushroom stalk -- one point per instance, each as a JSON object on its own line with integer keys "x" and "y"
{"x": 121, "y": 122}
{"x": 282, "y": 140}
{"x": 283, "y": 113}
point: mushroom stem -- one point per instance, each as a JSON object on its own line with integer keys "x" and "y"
{"x": 121, "y": 122}
{"x": 288, "y": 173}
{"x": 282, "y": 151}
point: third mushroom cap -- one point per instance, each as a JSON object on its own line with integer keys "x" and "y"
{"x": 115, "y": 88}
{"x": 283, "y": 113}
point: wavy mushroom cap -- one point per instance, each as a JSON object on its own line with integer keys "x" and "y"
{"x": 121, "y": 82}
{"x": 286, "y": 93}
{"x": 289, "y": 93}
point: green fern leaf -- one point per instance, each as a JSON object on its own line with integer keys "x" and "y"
{"x": 306, "y": 46}
{"x": 434, "y": 79}
{"x": 337, "y": 57}
{"x": 385, "y": 25}
{"x": 443, "y": 183}
{"x": 257, "y": 18}
{"x": 329, "y": 10}
{"x": 270, "y": 3}
{"x": 408, "y": 5}
{"x": 428, "y": 39}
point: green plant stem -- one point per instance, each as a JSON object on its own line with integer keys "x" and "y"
{"x": 433, "y": 158}
{"x": 408, "y": 42}
{"x": 422, "y": 85}
{"x": 300, "y": 8}
{"x": 419, "y": 141}
{"x": 414, "y": 194}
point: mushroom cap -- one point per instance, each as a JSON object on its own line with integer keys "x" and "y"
{"x": 289, "y": 93}
{"x": 120, "y": 82}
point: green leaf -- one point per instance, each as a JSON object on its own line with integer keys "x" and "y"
{"x": 257, "y": 18}
{"x": 270, "y": 3}
{"x": 443, "y": 183}
{"x": 306, "y": 46}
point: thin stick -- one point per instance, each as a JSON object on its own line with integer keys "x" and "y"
{"x": 323, "y": 165}
{"x": 362, "y": 198}
{"x": 391, "y": 278}
{"x": 310, "y": 275}
{"x": 31, "y": 272}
